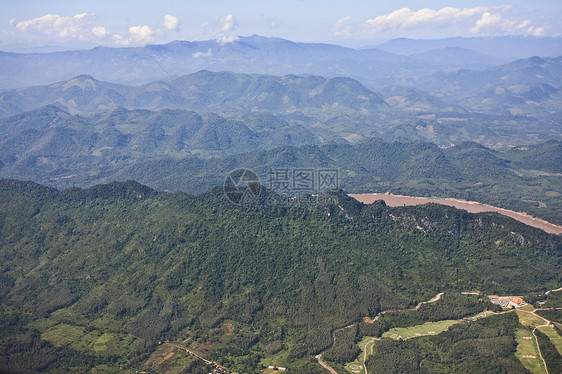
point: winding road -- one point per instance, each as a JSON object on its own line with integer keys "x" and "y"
{"x": 324, "y": 365}
{"x": 539, "y": 347}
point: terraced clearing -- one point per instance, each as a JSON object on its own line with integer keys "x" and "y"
{"x": 62, "y": 334}
{"x": 527, "y": 349}
{"x": 428, "y": 328}
{"x": 78, "y": 338}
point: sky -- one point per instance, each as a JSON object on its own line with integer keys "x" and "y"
{"x": 84, "y": 24}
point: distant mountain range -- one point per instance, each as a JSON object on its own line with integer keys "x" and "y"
{"x": 465, "y": 83}
{"x": 529, "y": 87}
{"x": 204, "y": 91}
{"x": 504, "y": 47}
{"x": 455, "y": 58}
{"x": 138, "y": 65}
{"x": 260, "y": 55}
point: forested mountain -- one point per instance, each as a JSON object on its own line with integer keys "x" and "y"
{"x": 526, "y": 86}
{"x": 460, "y": 76}
{"x": 169, "y": 150}
{"x": 223, "y": 92}
{"x": 117, "y": 268}
{"x": 523, "y": 87}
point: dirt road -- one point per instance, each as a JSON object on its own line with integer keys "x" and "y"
{"x": 324, "y": 365}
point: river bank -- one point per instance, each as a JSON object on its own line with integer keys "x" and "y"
{"x": 469, "y": 206}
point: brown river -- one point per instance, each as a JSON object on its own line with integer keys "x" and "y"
{"x": 470, "y": 206}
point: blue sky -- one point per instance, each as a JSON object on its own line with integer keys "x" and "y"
{"x": 351, "y": 22}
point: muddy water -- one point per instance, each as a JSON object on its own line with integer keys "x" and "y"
{"x": 470, "y": 206}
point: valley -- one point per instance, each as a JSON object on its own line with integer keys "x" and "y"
{"x": 380, "y": 194}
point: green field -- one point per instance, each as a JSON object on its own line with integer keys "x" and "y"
{"x": 428, "y": 328}
{"x": 528, "y": 347}
{"x": 529, "y": 320}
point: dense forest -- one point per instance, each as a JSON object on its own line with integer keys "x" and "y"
{"x": 102, "y": 276}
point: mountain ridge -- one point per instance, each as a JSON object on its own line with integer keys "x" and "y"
{"x": 204, "y": 90}
{"x": 142, "y": 268}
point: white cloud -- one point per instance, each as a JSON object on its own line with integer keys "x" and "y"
{"x": 120, "y": 40}
{"x": 495, "y": 23}
{"x": 79, "y": 26}
{"x": 54, "y": 24}
{"x": 228, "y": 23}
{"x": 341, "y": 28}
{"x": 535, "y": 31}
{"x": 209, "y": 53}
{"x": 141, "y": 34}
{"x": 225, "y": 39}
{"x": 171, "y": 22}
{"x": 407, "y": 18}
{"x": 100, "y": 32}
{"x": 487, "y": 21}
{"x": 481, "y": 19}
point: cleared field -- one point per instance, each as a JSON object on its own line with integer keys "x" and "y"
{"x": 366, "y": 346}
{"x": 114, "y": 343}
{"x": 529, "y": 320}
{"x": 168, "y": 359}
{"x": 428, "y": 328}
{"x": 527, "y": 349}
{"x": 279, "y": 359}
{"x": 553, "y": 336}
{"x": 62, "y": 334}
{"x": 480, "y": 315}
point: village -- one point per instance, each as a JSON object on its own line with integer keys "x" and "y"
{"x": 507, "y": 302}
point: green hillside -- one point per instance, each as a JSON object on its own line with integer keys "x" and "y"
{"x": 101, "y": 276}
